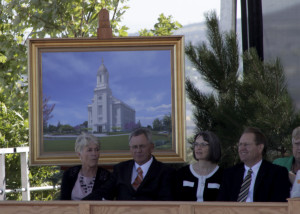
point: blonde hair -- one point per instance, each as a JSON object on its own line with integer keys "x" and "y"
{"x": 296, "y": 134}
{"x": 85, "y": 139}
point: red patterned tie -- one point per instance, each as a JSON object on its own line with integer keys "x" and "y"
{"x": 139, "y": 178}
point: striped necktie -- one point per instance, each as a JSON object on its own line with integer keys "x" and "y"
{"x": 139, "y": 178}
{"x": 245, "y": 187}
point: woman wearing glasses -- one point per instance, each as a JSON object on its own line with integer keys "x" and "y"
{"x": 201, "y": 180}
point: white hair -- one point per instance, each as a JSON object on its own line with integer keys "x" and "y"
{"x": 85, "y": 139}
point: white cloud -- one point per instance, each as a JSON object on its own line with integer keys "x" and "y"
{"x": 67, "y": 65}
{"x": 158, "y": 97}
{"x": 50, "y": 102}
{"x": 135, "y": 103}
{"x": 162, "y": 107}
{"x": 140, "y": 103}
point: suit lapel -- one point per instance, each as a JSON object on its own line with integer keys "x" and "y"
{"x": 239, "y": 179}
{"x": 241, "y": 172}
{"x": 259, "y": 177}
{"x": 128, "y": 173}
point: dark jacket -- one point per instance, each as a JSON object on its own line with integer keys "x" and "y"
{"x": 158, "y": 184}
{"x": 98, "y": 192}
{"x": 188, "y": 192}
{"x": 271, "y": 184}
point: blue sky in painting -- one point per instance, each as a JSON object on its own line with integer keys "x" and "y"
{"x": 141, "y": 79}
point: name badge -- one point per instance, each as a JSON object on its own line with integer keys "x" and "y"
{"x": 213, "y": 186}
{"x": 188, "y": 184}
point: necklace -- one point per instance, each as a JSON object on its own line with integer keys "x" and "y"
{"x": 86, "y": 183}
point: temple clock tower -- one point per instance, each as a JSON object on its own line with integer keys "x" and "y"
{"x": 106, "y": 112}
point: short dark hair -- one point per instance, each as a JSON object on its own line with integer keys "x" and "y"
{"x": 141, "y": 131}
{"x": 259, "y": 137}
{"x": 214, "y": 145}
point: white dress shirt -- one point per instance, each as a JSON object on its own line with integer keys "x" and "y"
{"x": 145, "y": 167}
{"x": 255, "y": 169}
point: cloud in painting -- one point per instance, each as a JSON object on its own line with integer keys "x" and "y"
{"x": 162, "y": 107}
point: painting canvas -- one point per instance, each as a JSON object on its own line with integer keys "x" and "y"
{"x": 108, "y": 91}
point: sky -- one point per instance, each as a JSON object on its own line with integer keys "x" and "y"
{"x": 144, "y": 13}
{"x": 141, "y": 79}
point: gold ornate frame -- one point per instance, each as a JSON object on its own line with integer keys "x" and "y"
{"x": 38, "y": 46}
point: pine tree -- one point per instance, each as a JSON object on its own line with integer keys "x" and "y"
{"x": 255, "y": 97}
{"x": 263, "y": 95}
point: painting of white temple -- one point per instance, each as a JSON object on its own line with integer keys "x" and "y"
{"x": 107, "y": 113}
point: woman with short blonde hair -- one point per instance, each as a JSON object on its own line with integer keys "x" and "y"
{"x": 86, "y": 181}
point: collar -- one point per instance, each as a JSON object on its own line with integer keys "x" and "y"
{"x": 254, "y": 168}
{"x": 145, "y": 167}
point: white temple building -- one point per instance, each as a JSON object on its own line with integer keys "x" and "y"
{"x": 107, "y": 113}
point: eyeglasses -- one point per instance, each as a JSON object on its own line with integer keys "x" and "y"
{"x": 136, "y": 147}
{"x": 200, "y": 145}
{"x": 240, "y": 144}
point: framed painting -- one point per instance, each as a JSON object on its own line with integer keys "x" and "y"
{"x": 108, "y": 88}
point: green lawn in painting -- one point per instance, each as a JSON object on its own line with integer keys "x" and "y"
{"x": 110, "y": 142}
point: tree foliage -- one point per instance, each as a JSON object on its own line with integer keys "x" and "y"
{"x": 23, "y": 19}
{"x": 61, "y": 18}
{"x": 164, "y": 124}
{"x": 47, "y": 110}
{"x": 255, "y": 97}
{"x": 157, "y": 124}
{"x": 164, "y": 27}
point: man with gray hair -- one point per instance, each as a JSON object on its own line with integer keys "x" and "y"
{"x": 292, "y": 163}
{"x": 143, "y": 177}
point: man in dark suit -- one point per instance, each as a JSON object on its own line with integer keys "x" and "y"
{"x": 143, "y": 178}
{"x": 254, "y": 179}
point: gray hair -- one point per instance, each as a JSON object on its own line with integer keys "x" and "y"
{"x": 296, "y": 134}
{"x": 141, "y": 131}
{"x": 84, "y": 140}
